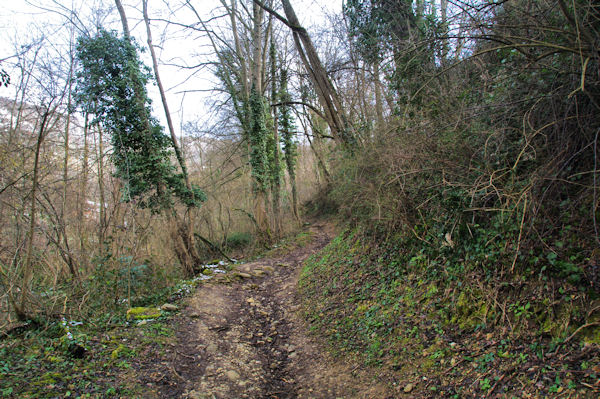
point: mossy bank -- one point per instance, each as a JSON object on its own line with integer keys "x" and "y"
{"x": 451, "y": 330}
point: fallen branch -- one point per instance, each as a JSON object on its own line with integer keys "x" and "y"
{"x": 214, "y": 247}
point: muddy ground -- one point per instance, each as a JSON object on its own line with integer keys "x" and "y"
{"x": 241, "y": 335}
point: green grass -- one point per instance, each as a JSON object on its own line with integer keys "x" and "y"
{"x": 239, "y": 240}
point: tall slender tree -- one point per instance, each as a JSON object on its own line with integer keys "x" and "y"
{"x": 290, "y": 148}
{"x": 48, "y": 112}
{"x": 115, "y": 78}
{"x": 185, "y": 228}
{"x": 275, "y": 152}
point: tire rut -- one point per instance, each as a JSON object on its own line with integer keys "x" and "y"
{"x": 268, "y": 331}
{"x": 244, "y": 338}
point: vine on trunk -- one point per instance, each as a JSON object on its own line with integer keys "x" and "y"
{"x": 112, "y": 81}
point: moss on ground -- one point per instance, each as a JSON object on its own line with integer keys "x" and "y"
{"x": 143, "y": 313}
{"x": 99, "y": 358}
{"x": 454, "y": 331}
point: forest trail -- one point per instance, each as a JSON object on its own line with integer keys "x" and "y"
{"x": 246, "y": 339}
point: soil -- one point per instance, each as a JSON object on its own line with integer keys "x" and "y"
{"x": 241, "y": 335}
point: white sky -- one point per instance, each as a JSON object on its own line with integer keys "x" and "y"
{"x": 23, "y": 20}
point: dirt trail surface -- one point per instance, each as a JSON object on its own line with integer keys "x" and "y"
{"x": 245, "y": 338}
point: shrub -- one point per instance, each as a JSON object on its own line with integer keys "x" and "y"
{"x": 238, "y": 240}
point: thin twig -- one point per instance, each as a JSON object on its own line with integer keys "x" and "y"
{"x": 595, "y": 187}
{"x": 449, "y": 369}
{"x": 595, "y": 323}
{"x": 176, "y": 373}
{"x": 184, "y": 355}
{"x": 512, "y": 268}
{"x": 495, "y": 385}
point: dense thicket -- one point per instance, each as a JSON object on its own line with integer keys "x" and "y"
{"x": 473, "y": 200}
{"x": 491, "y": 134}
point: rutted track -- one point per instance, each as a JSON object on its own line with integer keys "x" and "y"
{"x": 245, "y": 339}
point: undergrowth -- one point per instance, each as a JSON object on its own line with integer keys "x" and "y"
{"x": 80, "y": 363}
{"x": 92, "y": 349}
{"x": 91, "y": 354}
{"x": 447, "y": 315}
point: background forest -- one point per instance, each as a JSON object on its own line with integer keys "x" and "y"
{"x": 120, "y": 203}
{"x": 455, "y": 141}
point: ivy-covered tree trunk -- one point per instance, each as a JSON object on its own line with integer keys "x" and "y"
{"x": 113, "y": 77}
{"x": 138, "y": 88}
{"x": 258, "y": 159}
{"x": 287, "y": 139}
{"x": 241, "y": 69}
{"x": 258, "y": 129}
{"x": 102, "y": 210}
{"x": 276, "y": 167}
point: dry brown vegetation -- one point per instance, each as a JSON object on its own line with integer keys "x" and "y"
{"x": 78, "y": 237}
{"x": 457, "y": 141}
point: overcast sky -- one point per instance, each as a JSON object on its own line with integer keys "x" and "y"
{"x": 187, "y": 90}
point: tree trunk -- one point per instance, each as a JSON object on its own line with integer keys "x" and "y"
{"x": 276, "y": 163}
{"x": 445, "y": 46}
{"x": 238, "y": 48}
{"x": 257, "y": 85}
{"x": 257, "y": 56}
{"x": 315, "y": 147}
{"x": 378, "y": 101}
{"x": 21, "y": 308}
{"x": 137, "y": 86}
{"x": 82, "y": 200}
{"x": 292, "y": 174}
{"x": 163, "y": 98}
{"x": 185, "y": 226}
{"x": 101, "y": 209}
{"x": 123, "y": 18}
{"x": 328, "y": 97}
{"x": 67, "y": 254}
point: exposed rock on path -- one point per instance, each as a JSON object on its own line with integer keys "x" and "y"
{"x": 241, "y": 337}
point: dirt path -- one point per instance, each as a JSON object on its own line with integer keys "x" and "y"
{"x": 245, "y": 339}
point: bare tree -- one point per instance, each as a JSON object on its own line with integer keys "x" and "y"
{"x": 327, "y": 94}
{"x": 48, "y": 111}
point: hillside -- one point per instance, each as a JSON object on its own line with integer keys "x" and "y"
{"x": 199, "y": 197}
